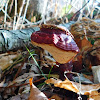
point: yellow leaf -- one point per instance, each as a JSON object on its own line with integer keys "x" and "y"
{"x": 74, "y": 86}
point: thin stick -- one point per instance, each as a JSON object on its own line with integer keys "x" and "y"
{"x": 11, "y": 5}
{"x": 5, "y": 3}
{"x": 21, "y": 9}
{"x": 25, "y": 13}
{"x": 6, "y": 14}
{"x": 15, "y": 17}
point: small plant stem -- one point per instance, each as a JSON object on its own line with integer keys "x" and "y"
{"x": 50, "y": 72}
{"x": 36, "y": 63}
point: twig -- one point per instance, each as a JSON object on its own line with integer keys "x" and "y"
{"x": 79, "y": 10}
{"x": 11, "y": 6}
{"x": 11, "y": 86}
{"x": 19, "y": 70}
{"x": 88, "y": 9}
{"x": 25, "y": 13}
{"x": 5, "y": 3}
{"x": 92, "y": 10}
{"x": 21, "y": 9}
{"x": 5, "y": 13}
{"x": 15, "y": 17}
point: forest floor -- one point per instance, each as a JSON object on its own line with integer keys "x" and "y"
{"x": 27, "y": 74}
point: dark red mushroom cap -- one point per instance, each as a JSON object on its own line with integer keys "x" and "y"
{"x": 55, "y": 36}
{"x": 50, "y": 34}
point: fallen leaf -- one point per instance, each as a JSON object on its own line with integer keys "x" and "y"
{"x": 7, "y": 59}
{"x": 77, "y": 63}
{"x": 63, "y": 84}
{"x": 74, "y": 86}
{"x": 95, "y": 95}
{"x": 35, "y": 93}
{"x": 55, "y": 97}
{"x": 20, "y": 97}
{"x": 82, "y": 79}
{"x": 22, "y": 78}
{"x": 85, "y": 44}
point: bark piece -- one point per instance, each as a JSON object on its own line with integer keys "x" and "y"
{"x": 15, "y": 39}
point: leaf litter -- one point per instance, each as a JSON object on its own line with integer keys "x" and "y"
{"x": 15, "y": 75}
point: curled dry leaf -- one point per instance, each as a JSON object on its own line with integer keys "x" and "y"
{"x": 35, "y": 93}
{"x": 73, "y": 86}
{"x": 62, "y": 84}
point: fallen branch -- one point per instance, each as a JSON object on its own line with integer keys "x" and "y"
{"x": 15, "y": 39}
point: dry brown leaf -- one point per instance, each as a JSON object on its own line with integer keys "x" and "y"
{"x": 87, "y": 24}
{"x": 85, "y": 28}
{"x": 20, "y": 97}
{"x": 6, "y": 60}
{"x": 95, "y": 95}
{"x": 55, "y": 97}
{"x": 85, "y": 44}
{"x": 73, "y": 86}
{"x": 97, "y": 43}
{"x": 63, "y": 84}
{"x": 35, "y": 93}
{"x": 22, "y": 78}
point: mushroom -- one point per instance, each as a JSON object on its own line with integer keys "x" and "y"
{"x": 57, "y": 41}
